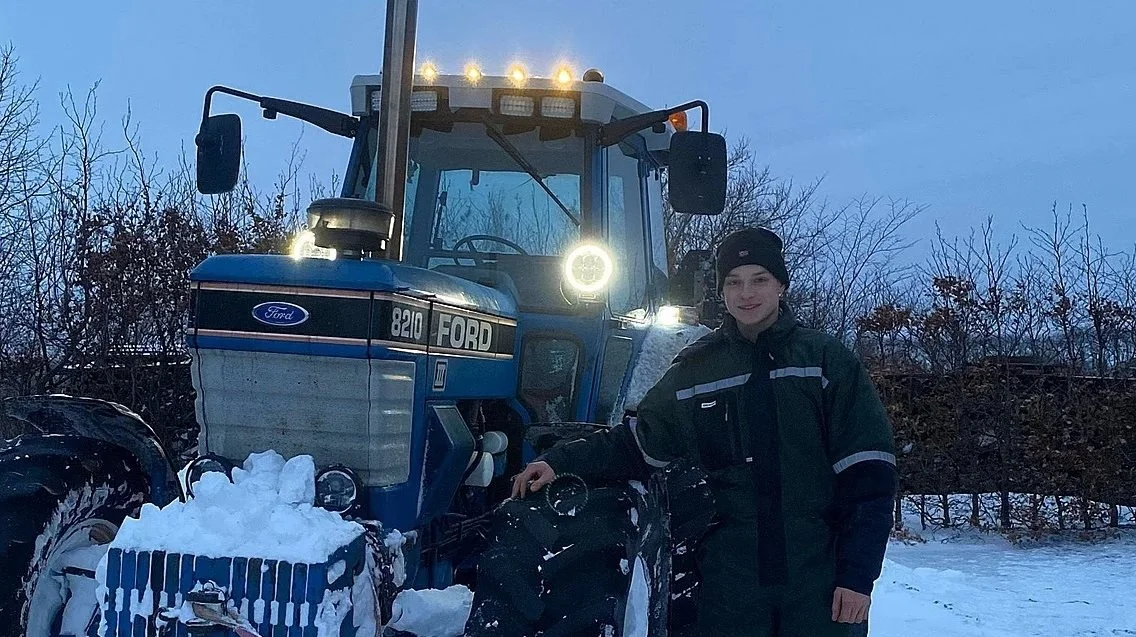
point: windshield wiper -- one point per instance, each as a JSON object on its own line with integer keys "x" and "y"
{"x": 499, "y": 138}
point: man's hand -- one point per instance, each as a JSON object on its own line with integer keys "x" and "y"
{"x": 534, "y": 476}
{"x": 850, "y": 607}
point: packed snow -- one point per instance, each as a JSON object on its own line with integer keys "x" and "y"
{"x": 638, "y": 602}
{"x": 432, "y": 613}
{"x": 266, "y": 511}
{"x": 662, "y": 343}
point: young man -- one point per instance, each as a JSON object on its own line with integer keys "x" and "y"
{"x": 798, "y": 450}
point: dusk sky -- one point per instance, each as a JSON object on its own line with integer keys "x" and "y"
{"x": 971, "y": 108}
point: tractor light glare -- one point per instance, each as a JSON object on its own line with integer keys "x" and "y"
{"x": 304, "y": 247}
{"x": 668, "y": 315}
{"x": 429, "y": 72}
{"x": 517, "y": 75}
{"x": 588, "y": 268}
{"x": 473, "y": 73}
{"x": 564, "y": 75}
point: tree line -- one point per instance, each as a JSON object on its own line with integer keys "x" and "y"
{"x": 97, "y": 240}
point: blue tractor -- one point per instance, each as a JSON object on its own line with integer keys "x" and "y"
{"x": 481, "y": 289}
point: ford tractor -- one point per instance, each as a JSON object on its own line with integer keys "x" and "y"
{"x": 481, "y": 289}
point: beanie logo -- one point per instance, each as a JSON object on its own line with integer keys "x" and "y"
{"x": 743, "y": 253}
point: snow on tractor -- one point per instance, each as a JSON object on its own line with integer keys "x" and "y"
{"x": 491, "y": 281}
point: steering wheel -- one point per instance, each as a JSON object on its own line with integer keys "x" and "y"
{"x": 483, "y": 237}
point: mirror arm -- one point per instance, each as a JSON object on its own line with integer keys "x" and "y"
{"x": 329, "y": 120}
{"x": 618, "y": 130}
{"x": 229, "y": 91}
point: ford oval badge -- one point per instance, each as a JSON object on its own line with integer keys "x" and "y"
{"x": 280, "y": 314}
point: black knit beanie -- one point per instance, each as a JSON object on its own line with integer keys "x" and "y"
{"x": 751, "y": 246}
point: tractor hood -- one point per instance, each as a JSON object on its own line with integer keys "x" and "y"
{"x": 370, "y": 276}
{"x": 335, "y": 359}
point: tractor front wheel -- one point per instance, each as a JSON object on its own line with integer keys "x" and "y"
{"x": 57, "y": 516}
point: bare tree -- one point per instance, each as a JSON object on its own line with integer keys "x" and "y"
{"x": 1056, "y": 244}
{"x": 1122, "y": 271}
{"x": 21, "y": 151}
{"x": 845, "y": 261}
{"x": 1105, "y": 314}
{"x": 23, "y": 177}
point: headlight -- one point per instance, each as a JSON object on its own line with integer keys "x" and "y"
{"x": 516, "y": 105}
{"x": 424, "y": 101}
{"x": 304, "y": 247}
{"x": 200, "y": 466}
{"x": 559, "y": 107}
{"x": 588, "y": 269}
{"x": 668, "y": 315}
{"x": 337, "y": 488}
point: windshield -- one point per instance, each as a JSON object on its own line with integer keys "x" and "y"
{"x": 469, "y": 193}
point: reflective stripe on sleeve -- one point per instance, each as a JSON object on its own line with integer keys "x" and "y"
{"x": 654, "y": 462}
{"x": 863, "y": 456}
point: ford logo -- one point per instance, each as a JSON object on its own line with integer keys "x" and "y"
{"x": 280, "y": 314}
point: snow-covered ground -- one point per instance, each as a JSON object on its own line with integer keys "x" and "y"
{"x": 955, "y": 584}
{"x": 978, "y": 585}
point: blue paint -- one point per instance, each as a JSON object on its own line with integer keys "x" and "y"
{"x": 247, "y": 580}
{"x": 298, "y": 593}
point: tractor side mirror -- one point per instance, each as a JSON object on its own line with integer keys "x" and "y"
{"x": 218, "y": 153}
{"x": 697, "y": 173}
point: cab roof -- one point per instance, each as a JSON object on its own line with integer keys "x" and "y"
{"x": 599, "y": 102}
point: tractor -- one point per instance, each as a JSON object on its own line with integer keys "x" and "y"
{"x": 481, "y": 289}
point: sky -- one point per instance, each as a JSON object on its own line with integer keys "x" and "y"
{"x": 973, "y": 109}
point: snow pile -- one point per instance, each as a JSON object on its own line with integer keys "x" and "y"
{"x": 635, "y": 617}
{"x": 432, "y": 613}
{"x": 332, "y": 611}
{"x": 660, "y": 346}
{"x": 394, "y": 542}
{"x": 363, "y": 598}
{"x": 265, "y": 512}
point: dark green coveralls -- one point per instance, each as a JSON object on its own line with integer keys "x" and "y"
{"x": 800, "y": 458}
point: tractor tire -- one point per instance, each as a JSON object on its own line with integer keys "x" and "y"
{"x": 691, "y": 507}
{"x": 57, "y": 513}
{"x": 556, "y": 572}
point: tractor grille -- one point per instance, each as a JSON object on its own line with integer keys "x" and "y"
{"x": 348, "y": 411}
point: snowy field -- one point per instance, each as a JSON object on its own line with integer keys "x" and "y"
{"x": 976, "y": 585}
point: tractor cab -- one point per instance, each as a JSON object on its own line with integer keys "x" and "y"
{"x": 509, "y": 184}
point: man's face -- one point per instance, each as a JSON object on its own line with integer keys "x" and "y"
{"x": 752, "y": 295}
